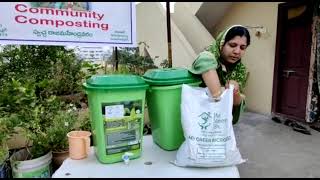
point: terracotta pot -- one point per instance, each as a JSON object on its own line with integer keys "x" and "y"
{"x": 59, "y": 157}
{"x": 79, "y": 144}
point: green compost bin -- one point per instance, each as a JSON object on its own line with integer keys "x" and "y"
{"x": 116, "y": 106}
{"x": 163, "y": 101}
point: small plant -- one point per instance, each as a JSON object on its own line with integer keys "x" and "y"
{"x": 4, "y": 152}
{"x": 83, "y": 121}
{"x": 90, "y": 69}
{"x": 36, "y": 121}
{"x": 131, "y": 62}
{"x": 62, "y": 123}
{"x": 164, "y": 63}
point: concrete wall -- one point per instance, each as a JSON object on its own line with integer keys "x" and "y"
{"x": 190, "y": 26}
{"x": 152, "y": 29}
{"x": 211, "y": 12}
{"x": 193, "y": 6}
{"x": 260, "y": 55}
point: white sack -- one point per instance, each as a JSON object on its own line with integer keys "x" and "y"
{"x": 208, "y": 130}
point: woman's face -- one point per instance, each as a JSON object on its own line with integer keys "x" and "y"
{"x": 234, "y": 49}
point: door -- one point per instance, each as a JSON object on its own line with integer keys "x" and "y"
{"x": 293, "y": 59}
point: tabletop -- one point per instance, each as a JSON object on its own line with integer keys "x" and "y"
{"x": 154, "y": 162}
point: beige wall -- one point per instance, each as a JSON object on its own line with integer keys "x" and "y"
{"x": 190, "y": 26}
{"x": 193, "y": 6}
{"x": 260, "y": 55}
{"x": 145, "y": 16}
{"x": 152, "y": 29}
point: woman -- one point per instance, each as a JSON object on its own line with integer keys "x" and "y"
{"x": 221, "y": 65}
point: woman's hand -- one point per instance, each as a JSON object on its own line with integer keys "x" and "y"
{"x": 235, "y": 84}
{"x": 236, "y": 91}
{"x": 211, "y": 79}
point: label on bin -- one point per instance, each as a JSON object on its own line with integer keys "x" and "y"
{"x": 122, "y": 149}
{"x": 114, "y": 111}
{"x": 122, "y": 124}
{"x": 120, "y": 137}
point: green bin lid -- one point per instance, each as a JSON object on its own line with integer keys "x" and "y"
{"x": 169, "y": 76}
{"x": 115, "y": 81}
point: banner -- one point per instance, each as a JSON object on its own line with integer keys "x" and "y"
{"x": 68, "y": 23}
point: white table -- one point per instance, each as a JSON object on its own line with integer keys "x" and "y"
{"x": 160, "y": 167}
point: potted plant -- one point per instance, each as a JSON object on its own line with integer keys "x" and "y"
{"x": 62, "y": 123}
{"x": 35, "y": 161}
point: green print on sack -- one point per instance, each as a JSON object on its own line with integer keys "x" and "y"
{"x": 204, "y": 121}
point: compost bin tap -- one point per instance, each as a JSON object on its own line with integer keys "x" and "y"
{"x": 126, "y": 157}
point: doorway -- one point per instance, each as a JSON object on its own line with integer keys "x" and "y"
{"x": 292, "y": 61}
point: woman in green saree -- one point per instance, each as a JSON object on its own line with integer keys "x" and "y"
{"x": 220, "y": 65}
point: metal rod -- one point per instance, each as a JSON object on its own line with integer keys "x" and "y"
{"x": 116, "y": 57}
{"x": 105, "y": 64}
{"x": 169, "y": 34}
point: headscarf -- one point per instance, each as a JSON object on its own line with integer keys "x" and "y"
{"x": 217, "y": 45}
{"x": 211, "y": 59}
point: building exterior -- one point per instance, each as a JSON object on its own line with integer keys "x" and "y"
{"x": 194, "y": 26}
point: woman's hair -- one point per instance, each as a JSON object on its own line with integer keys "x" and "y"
{"x": 237, "y": 31}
